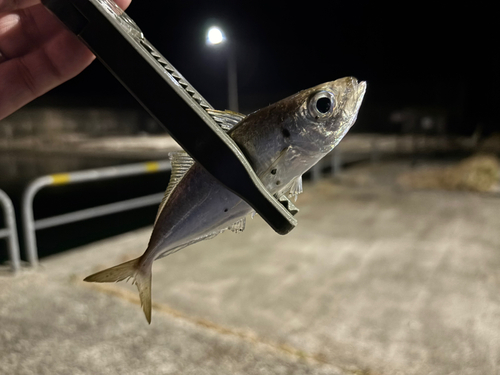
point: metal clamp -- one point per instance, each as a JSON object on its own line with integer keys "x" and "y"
{"x": 117, "y": 41}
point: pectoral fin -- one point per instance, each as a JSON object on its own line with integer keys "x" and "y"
{"x": 295, "y": 188}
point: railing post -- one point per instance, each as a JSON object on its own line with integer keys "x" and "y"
{"x": 336, "y": 160}
{"x": 10, "y": 222}
{"x": 29, "y": 220}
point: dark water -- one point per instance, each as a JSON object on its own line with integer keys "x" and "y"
{"x": 18, "y": 169}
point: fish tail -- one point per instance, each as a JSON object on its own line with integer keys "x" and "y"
{"x": 139, "y": 273}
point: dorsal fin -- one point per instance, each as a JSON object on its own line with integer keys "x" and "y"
{"x": 295, "y": 188}
{"x": 181, "y": 162}
{"x": 226, "y": 119}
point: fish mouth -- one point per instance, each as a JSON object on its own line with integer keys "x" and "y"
{"x": 358, "y": 89}
{"x": 356, "y": 92}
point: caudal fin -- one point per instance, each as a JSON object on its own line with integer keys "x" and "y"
{"x": 140, "y": 274}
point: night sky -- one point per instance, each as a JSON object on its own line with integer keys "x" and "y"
{"x": 411, "y": 55}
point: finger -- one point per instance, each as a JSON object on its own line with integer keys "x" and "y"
{"x": 26, "y": 29}
{"x": 21, "y": 4}
{"x": 27, "y": 77}
{"x": 9, "y": 5}
{"x": 122, "y": 3}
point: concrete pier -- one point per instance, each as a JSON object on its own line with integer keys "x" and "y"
{"x": 374, "y": 280}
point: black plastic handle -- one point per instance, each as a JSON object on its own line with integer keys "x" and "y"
{"x": 118, "y": 43}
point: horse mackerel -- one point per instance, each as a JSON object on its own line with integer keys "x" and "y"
{"x": 281, "y": 142}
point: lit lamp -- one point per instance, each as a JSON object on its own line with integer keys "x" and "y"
{"x": 215, "y": 36}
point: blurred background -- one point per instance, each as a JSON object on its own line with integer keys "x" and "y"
{"x": 428, "y": 122}
{"x": 431, "y": 71}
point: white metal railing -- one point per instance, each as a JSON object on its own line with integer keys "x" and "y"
{"x": 30, "y": 225}
{"x": 10, "y": 231}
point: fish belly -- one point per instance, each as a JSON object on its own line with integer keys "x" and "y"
{"x": 199, "y": 208}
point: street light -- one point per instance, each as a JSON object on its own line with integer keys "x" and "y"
{"x": 216, "y": 36}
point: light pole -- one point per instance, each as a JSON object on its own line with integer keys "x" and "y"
{"x": 215, "y": 36}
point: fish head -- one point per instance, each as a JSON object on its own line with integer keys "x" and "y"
{"x": 324, "y": 114}
{"x": 285, "y": 139}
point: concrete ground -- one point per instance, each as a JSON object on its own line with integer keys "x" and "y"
{"x": 374, "y": 280}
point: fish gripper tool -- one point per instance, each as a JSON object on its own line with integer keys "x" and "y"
{"x": 120, "y": 45}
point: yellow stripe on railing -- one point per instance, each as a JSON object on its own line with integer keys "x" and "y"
{"x": 152, "y": 166}
{"x": 60, "y": 179}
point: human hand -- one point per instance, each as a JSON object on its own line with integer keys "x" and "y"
{"x": 37, "y": 53}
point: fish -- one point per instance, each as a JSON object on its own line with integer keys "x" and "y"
{"x": 281, "y": 141}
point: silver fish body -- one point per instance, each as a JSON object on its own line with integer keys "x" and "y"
{"x": 281, "y": 141}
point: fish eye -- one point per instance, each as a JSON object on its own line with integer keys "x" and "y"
{"x": 321, "y": 104}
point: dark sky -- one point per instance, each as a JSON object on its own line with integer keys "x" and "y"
{"x": 411, "y": 54}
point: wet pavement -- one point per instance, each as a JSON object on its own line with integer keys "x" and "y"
{"x": 374, "y": 280}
